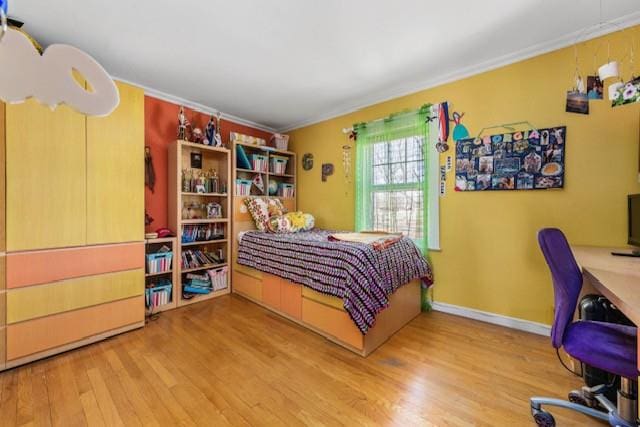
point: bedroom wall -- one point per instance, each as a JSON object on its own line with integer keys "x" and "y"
{"x": 489, "y": 258}
{"x": 161, "y": 119}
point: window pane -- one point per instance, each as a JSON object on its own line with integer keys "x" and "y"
{"x": 399, "y": 211}
{"x": 397, "y": 173}
{"x": 380, "y": 153}
{"x": 415, "y": 172}
{"x": 414, "y": 149}
{"x": 381, "y": 175}
{"x": 397, "y": 151}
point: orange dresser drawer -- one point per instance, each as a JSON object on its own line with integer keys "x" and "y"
{"x": 247, "y": 286}
{"x": 271, "y": 291}
{"x": 34, "y": 336}
{"x": 325, "y": 299}
{"x": 291, "y": 299}
{"x": 331, "y": 321}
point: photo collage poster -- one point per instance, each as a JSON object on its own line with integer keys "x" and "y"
{"x": 522, "y": 160}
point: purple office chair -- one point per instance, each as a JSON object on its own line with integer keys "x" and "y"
{"x": 605, "y": 346}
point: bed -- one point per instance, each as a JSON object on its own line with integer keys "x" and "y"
{"x": 348, "y": 292}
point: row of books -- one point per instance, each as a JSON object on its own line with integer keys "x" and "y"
{"x": 159, "y": 262}
{"x": 158, "y": 294}
{"x": 202, "y": 232}
{"x": 194, "y": 258}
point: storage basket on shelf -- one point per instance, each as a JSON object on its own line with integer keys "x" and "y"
{"x": 286, "y": 190}
{"x": 159, "y": 262}
{"x": 243, "y": 187}
{"x": 279, "y": 165}
{"x": 158, "y": 295}
{"x": 281, "y": 142}
{"x": 218, "y": 278}
{"x": 259, "y": 162}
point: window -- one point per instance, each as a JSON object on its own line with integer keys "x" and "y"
{"x": 397, "y": 177}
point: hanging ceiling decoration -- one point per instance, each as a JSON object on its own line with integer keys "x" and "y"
{"x": 49, "y": 77}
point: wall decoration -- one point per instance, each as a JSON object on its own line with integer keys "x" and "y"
{"x": 443, "y": 127}
{"x": 628, "y": 93}
{"x": 346, "y": 162}
{"x": 577, "y": 102}
{"x": 594, "y": 88}
{"x": 307, "y": 161}
{"x": 149, "y": 170}
{"x": 459, "y": 131}
{"x": 48, "y": 77}
{"x": 327, "y": 170}
{"x": 520, "y": 160}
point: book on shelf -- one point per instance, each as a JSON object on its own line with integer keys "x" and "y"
{"x": 202, "y": 232}
{"x": 195, "y": 258}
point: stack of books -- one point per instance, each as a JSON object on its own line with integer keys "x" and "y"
{"x": 202, "y": 232}
{"x": 197, "y": 284}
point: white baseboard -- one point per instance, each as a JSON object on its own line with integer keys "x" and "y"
{"x": 496, "y": 319}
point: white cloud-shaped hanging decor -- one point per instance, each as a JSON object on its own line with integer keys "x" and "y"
{"x": 24, "y": 74}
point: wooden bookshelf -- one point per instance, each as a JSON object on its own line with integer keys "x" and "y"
{"x": 152, "y": 246}
{"x": 216, "y": 159}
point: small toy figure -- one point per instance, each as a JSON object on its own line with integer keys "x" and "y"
{"x": 183, "y": 124}
{"x": 218, "y": 137}
{"x": 197, "y": 136}
{"x": 210, "y": 132}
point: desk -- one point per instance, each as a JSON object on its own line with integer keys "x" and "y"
{"x": 615, "y": 277}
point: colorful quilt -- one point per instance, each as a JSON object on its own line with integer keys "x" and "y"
{"x": 364, "y": 278}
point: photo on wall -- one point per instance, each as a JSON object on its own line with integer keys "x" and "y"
{"x": 522, "y": 160}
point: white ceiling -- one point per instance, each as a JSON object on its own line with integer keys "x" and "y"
{"x": 284, "y": 63}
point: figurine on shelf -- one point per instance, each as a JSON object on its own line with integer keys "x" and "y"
{"x": 197, "y": 136}
{"x": 218, "y": 137}
{"x": 183, "y": 125}
{"x": 210, "y": 132}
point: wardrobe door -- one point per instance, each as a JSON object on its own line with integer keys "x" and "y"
{"x": 115, "y": 171}
{"x": 45, "y": 177}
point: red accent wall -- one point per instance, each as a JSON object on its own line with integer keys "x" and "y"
{"x": 160, "y": 122}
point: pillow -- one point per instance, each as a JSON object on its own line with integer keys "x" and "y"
{"x": 291, "y": 222}
{"x": 261, "y": 209}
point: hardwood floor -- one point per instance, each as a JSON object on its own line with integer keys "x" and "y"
{"x": 230, "y": 362}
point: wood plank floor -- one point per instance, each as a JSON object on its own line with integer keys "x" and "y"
{"x": 231, "y": 362}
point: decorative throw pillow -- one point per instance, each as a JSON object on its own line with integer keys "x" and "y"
{"x": 259, "y": 210}
{"x": 291, "y": 222}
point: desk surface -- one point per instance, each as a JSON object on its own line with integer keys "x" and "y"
{"x": 616, "y": 277}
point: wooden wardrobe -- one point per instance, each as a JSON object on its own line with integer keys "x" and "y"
{"x": 72, "y": 226}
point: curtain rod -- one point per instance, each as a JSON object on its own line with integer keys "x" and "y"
{"x": 350, "y": 129}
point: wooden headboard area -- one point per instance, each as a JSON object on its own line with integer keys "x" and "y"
{"x": 242, "y": 221}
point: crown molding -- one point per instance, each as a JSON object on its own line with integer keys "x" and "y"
{"x": 196, "y": 106}
{"x": 579, "y": 36}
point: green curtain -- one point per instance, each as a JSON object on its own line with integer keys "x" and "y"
{"x": 401, "y": 125}
{"x": 397, "y": 126}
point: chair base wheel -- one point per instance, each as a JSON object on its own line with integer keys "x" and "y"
{"x": 577, "y": 397}
{"x": 543, "y": 418}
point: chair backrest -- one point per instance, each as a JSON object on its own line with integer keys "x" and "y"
{"x": 567, "y": 279}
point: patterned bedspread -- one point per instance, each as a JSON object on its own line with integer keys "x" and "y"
{"x": 362, "y": 277}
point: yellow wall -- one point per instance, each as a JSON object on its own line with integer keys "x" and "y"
{"x": 490, "y": 259}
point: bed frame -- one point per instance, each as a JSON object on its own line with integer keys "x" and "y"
{"x": 318, "y": 312}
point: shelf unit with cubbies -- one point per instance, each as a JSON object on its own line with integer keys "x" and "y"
{"x": 189, "y": 214}
{"x": 241, "y": 218}
{"x": 157, "y": 276}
